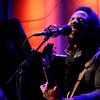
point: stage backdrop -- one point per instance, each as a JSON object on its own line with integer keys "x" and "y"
{"x": 36, "y": 15}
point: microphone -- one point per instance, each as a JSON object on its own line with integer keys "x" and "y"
{"x": 64, "y": 30}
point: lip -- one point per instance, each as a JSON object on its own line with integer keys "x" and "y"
{"x": 74, "y": 30}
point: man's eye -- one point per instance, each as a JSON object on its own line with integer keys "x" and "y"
{"x": 81, "y": 20}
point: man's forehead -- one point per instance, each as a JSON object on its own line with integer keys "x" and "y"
{"x": 80, "y": 13}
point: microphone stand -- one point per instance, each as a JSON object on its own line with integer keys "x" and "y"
{"x": 19, "y": 71}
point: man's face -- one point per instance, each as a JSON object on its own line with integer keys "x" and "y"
{"x": 79, "y": 22}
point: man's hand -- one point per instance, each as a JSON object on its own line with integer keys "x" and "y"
{"x": 50, "y": 94}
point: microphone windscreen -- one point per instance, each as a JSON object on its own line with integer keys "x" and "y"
{"x": 66, "y": 30}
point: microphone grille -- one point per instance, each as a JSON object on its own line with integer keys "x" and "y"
{"x": 66, "y": 30}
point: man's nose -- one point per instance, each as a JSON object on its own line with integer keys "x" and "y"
{"x": 74, "y": 23}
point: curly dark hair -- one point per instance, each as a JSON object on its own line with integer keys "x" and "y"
{"x": 93, "y": 18}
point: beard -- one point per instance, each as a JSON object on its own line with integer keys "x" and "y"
{"x": 78, "y": 42}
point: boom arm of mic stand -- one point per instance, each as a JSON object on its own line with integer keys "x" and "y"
{"x": 18, "y": 71}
